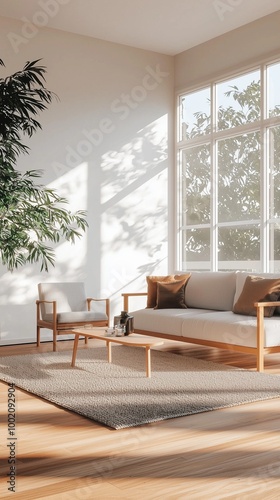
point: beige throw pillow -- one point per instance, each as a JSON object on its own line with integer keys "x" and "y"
{"x": 257, "y": 289}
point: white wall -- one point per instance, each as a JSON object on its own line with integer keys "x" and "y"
{"x": 238, "y": 48}
{"x": 106, "y": 146}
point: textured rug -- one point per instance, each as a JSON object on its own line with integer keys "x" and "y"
{"x": 120, "y": 395}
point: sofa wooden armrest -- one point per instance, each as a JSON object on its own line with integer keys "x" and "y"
{"x": 260, "y": 331}
{"x": 267, "y": 304}
{"x": 131, "y": 294}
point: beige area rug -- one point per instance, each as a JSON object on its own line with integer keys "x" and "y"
{"x": 120, "y": 395}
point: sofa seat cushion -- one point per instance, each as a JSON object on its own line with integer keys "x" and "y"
{"x": 211, "y": 290}
{"x": 231, "y": 328}
{"x": 77, "y": 316}
{"x": 167, "y": 321}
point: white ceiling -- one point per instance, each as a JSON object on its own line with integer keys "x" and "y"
{"x": 165, "y": 26}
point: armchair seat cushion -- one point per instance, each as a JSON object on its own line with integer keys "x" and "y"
{"x": 77, "y": 316}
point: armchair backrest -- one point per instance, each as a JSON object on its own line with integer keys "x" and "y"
{"x": 69, "y": 297}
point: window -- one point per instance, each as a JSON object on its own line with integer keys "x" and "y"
{"x": 229, "y": 173}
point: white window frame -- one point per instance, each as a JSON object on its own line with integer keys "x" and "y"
{"x": 261, "y": 126}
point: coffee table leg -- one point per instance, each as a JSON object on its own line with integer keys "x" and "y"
{"x": 75, "y": 347}
{"x": 148, "y": 361}
{"x": 109, "y": 350}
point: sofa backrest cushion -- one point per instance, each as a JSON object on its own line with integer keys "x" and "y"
{"x": 211, "y": 290}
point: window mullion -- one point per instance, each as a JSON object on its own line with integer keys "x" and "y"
{"x": 214, "y": 185}
{"x": 264, "y": 198}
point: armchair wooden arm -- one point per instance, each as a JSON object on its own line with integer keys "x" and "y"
{"x": 107, "y": 305}
{"x": 54, "y": 309}
{"x": 127, "y": 295}
{"x": 260, "y": 331}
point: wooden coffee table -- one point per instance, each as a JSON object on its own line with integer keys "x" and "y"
{"x": 131, "y": 340}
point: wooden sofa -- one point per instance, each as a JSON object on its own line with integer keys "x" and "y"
{"x": 209, "y": 319}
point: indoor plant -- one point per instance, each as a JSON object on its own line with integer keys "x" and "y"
{"x": 31, "y": 215}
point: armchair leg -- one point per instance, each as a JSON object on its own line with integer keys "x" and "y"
{"x": 54, "y": 340}
{"x": 38, "y": 336}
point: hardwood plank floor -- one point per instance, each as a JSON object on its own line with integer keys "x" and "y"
{"x": 232, "y": 453}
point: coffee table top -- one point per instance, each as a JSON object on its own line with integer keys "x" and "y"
{"x": 132, "y": 339}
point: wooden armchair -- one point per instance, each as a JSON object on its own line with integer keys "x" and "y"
{"x": 64, "y": 306}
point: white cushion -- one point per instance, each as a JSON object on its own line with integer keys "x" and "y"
{"x": 77, "y": 317}
{"x": 231, "y": 328}
{"x": 168, "y": 321}
{"x": 211, "y": 290}
{"x": 69, "y": 297}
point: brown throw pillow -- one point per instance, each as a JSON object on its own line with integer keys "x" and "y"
{"x": 171, "y": 295}
{"x": 152, "y": 285}
{"x": 257, "y": 289}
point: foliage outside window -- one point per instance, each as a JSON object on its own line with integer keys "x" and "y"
{"x": 229, "y": 173}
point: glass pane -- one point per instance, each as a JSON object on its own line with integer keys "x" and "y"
{"x": 273, "y": 72}
{"x": 239, "y": 178}
{"x": 239, "y": 248}
{"x": 196, "y": 249}
{"x": 195, "y": 114}
{"x": 239, "y": 100}
{"x": 274, "y": 243}
{"x": 274, "y": 171}
{"x": 196, "y": 186}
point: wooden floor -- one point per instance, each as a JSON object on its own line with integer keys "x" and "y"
{"x": 232, "y": 453}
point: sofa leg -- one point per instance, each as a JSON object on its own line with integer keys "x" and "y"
{"x": 260, "y": 361}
